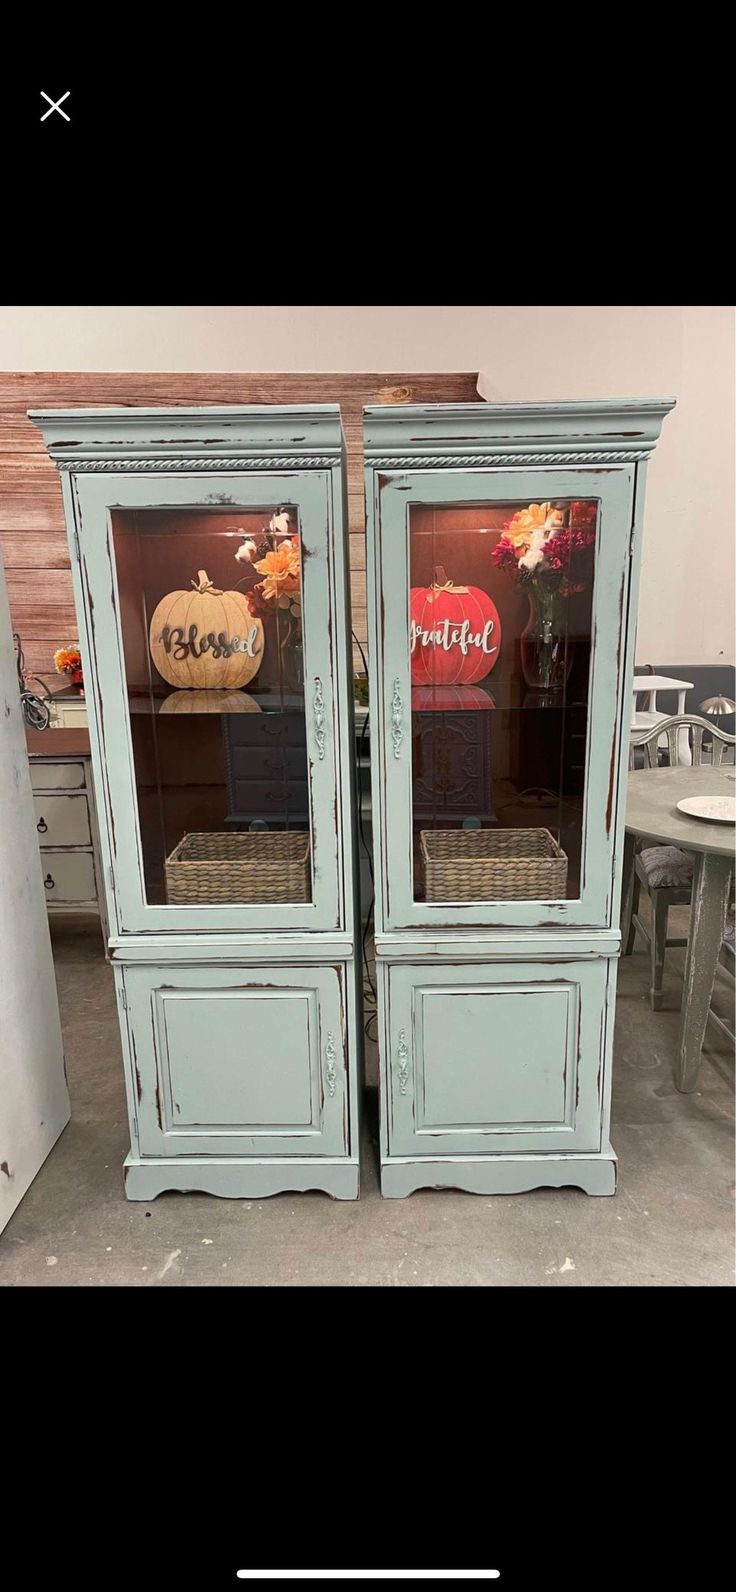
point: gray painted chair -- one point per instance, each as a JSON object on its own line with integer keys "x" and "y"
{"x": 666, "y": 872}
{"x": 727, "y": 960}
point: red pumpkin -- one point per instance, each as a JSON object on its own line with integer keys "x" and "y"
{"x": 454, "y": 634}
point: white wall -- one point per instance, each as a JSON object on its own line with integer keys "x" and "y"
{"x": 686, "y": 611}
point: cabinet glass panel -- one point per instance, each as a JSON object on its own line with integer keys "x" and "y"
{"x": 211, "y": 619}
{"x": 500, "y": 629}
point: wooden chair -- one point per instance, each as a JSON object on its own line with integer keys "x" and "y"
{"x": 666, "y": 872}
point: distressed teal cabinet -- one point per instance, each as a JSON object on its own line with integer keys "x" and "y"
{"x": 503, "y": 556}
{"x": 210, "y": 574}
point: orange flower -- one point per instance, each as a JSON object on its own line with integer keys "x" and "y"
{"x": 281, "y": 570}
{"x": 519, "y": 529}
{"x": 67, "y": 659}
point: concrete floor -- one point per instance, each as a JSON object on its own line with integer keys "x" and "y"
{"x": 670, "y": 1223}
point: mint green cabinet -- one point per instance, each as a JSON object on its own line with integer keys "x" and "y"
{"x": 209, "y": 559}
{"x": 238, "y": 1061}
{"x": 503, "y": 554}
{"x": 491, "y": 1058}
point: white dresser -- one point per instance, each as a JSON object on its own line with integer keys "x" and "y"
{"x": 66, "y": 821}
{"x": 68, "y": 710}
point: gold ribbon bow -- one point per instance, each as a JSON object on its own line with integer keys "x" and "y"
{"x": 449, "y": 585}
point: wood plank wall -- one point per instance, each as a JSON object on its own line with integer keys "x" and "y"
{"x": 32, "y": 534}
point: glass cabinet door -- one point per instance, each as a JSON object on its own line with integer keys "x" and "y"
{"x": 502, "y": 596}
{"x": 210, "y": 603}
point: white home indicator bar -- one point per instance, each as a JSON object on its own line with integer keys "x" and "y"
{"x": 368, "y": 1575}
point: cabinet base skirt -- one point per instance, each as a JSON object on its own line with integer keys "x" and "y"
{"x": 501, "y": 1174}
{"x": 239, "y": 1180}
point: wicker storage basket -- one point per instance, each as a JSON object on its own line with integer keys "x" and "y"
{"x": 270, "y": 865}
{"x": 492, "y": 865}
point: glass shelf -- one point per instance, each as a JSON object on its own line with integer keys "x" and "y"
{"x": 195, "y": 702}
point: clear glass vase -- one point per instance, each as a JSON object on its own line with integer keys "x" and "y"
{"x": 291, "y": 649}
{"x": 546, "y": 655}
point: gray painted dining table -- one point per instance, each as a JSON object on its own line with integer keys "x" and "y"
{"x": 652, "y": 815}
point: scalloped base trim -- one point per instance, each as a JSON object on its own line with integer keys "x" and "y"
{"x": 500, "y": 1174}
{"x": 240, "y": 1180}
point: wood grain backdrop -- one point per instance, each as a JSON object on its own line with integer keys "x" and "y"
{"x": 33, "y": 541}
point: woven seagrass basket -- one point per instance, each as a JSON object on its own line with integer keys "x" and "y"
{"x": 265, "y": 866}
{"x": 492, "y": 865}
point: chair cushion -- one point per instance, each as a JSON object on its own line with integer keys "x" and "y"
{"x": 667, "y": 865}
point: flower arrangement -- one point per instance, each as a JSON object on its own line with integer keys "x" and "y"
{"x": 276, "y": 555}
{"x": 548, "y": 548}
{"x": 68, "y": 660}
{"x": 538, "y": 547}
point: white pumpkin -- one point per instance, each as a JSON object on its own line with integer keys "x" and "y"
{"x": 206, "y": 639}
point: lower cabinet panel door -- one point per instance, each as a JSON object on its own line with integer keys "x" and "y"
{"x": 496, "y": 1058}
{"x": 238, "y": 1061}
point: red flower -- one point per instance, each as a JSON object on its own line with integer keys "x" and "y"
{"x": 504, "y": 554}
{"x": 260, "y": 608}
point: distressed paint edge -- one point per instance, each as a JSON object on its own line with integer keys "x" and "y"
{"x": 561, "y": 944}
{"x": 465, "y": 434}
{"x": 81, "y": 436}
{"x": 226, "y": 949}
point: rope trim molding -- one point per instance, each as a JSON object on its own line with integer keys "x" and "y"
{"x": 419, "y": 461}
{"x": 213, "y": 462}
{"x": 410, "y": 461}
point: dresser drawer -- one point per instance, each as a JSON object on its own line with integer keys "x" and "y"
{"x": 69, "y": 715}
{"x": 62, "y": 820}
{"x": 57, "y": 776}
{"x": 269, "y": 762}
{"x": 68, "y": 876}
{"x": 265, "y": 729}
{"x": 261, "y": 798}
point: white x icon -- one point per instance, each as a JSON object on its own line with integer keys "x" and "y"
{"x": 55, "y": 104}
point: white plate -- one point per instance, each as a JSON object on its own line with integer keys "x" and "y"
{"x": 717, "y": 809}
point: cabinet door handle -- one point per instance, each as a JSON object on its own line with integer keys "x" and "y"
{"x": 42, "y": 826}
{"x": 402, "y": 1051}
{"x": 330, "y": 1065}
{"x": 319, "y": 718}
{"x": 397, "y": 718}
{"x": 48, "y": 882}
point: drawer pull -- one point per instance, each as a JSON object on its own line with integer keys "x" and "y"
{"x": 42, "y": 826}
{"x": 330, "y": 1065}
{"x": 48, "y": 882}
{"x": 319, "y": 718}
{"x": 397, "y": 723}
{"x": 403, "y": 1068}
